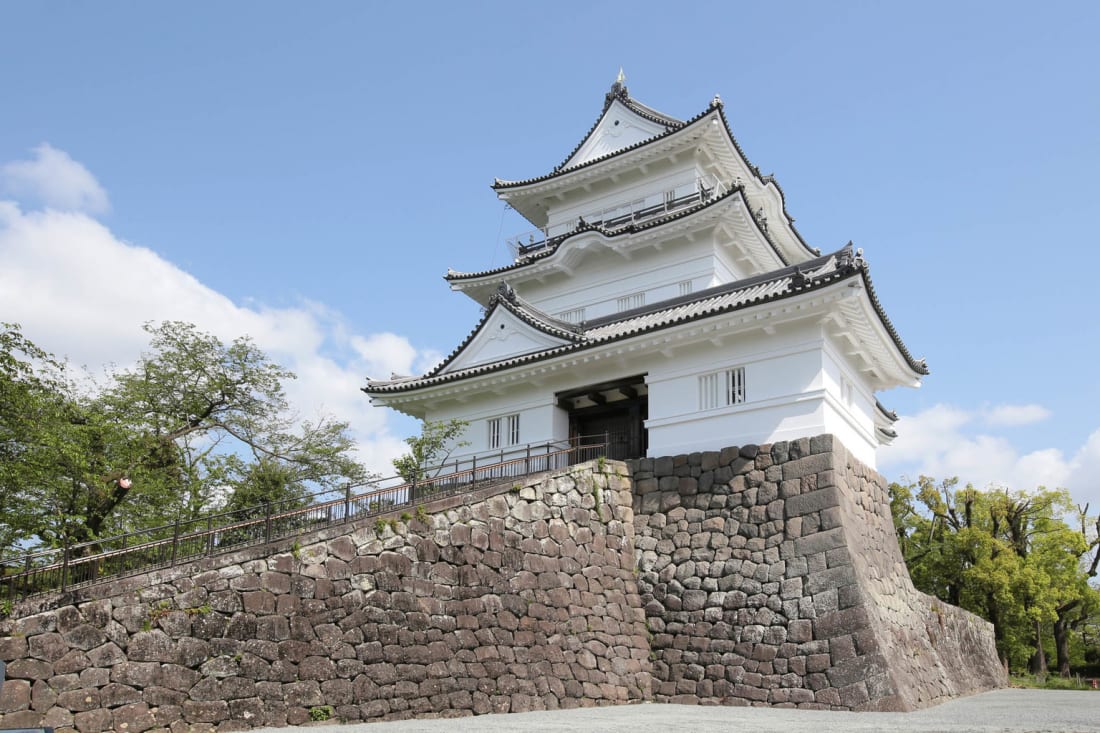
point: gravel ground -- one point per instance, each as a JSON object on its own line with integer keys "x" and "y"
{"x": 1001, "y": 711}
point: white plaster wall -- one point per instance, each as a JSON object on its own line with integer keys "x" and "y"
{"x": 749, "y": 423}
{"x": 599, "y": 282}
{"x": 583, "y": 203}
{"x": 793, "y": 390}
{"x": 784, "y": 393}
{"x": 849, "y": 414}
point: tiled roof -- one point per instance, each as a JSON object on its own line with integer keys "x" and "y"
{"x": 555, "y": 243}
{"x": 786, "y": 282}
{"x": 619, "y": 92}
{"x": 506, "y": 298}
{"x": 673, "y": 125}
{"x": 560, "y": 169}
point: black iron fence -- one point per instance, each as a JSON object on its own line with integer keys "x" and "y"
{"x": 184, "y": 540}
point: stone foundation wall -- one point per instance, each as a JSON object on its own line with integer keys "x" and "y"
{"x": 772, "y": 575}
{"x": 520, "y": 600}
{"x": 763, "y": 575}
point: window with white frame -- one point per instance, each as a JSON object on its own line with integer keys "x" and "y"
{"x": 503, "y": 431}
{"x": 722, "y": 389}
{"x": 636, "y": 300}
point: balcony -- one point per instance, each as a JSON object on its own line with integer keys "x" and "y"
{"x": 638, "y": 211}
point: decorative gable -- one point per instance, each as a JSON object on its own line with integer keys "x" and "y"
{"x": 618, "y": 128}
{"x": 502, "y": 335}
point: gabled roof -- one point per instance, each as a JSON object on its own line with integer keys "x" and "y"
{"x": 619, "y": 94}
{"x": 787, "y": 282}
{"x": 697, "y": 127}
{"x": 671, "y": 127}
{"x": 554, "y": 330}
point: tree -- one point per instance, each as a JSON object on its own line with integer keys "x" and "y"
{"x": 36, "y": 417}
{"x": 192, "y": 424}
{"x": 1007, "y": 556}
{"x": 437, "y": 440}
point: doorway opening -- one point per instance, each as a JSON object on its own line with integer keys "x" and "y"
{"x": 611, "y": 413}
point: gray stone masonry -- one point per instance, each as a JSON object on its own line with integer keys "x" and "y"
{"x": 759, "y": 575}
{"x": 771, "y": 575}
{"x": 506, "y": 600}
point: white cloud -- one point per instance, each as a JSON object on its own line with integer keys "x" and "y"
{"x": 1012, "y": 415}
{"x": 54, "y": 180}
{"x": 80, "y": 292}
{"x": 946, "y": 440}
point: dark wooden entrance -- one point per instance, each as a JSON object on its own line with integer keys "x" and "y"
{"x": 613, "y": 413}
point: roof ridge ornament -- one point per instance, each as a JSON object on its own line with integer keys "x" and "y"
{"x": 505, "y": 292}
{"x": 617, "y": 91}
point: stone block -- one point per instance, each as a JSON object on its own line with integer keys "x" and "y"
{"x": 816, "y": 501}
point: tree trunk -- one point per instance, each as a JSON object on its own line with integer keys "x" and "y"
{"x": 1061, "y": 645}
{"x": 1038, "y": 662}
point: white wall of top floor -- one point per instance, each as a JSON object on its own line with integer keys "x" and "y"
{"x": 597, "y": 198}
{"x": 795, "y": 386}
{"x": 603, "y": 277}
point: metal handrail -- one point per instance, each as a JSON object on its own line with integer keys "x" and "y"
{"x": 654, "y": 205}
{"x": 184, "y": 540}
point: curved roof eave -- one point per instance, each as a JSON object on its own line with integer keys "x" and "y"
{"x": 506, "y": 298}
{"x": 763, "y": 179}
{"x": 549, "y": 252}
{"x": 846, "y": 266}
{"x": 500, "y": 185}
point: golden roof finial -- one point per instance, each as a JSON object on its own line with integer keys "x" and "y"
{"x": 621, "y": 77}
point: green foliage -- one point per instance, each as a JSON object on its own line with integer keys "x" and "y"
{"x": 196, "y": 425}
{"x": 429, "y": 449}
{"x": 157, "y": 611}
{"x": 1008, "y": 556}
{"x": 421, "y": 514}
{"x": 321, "y": 712}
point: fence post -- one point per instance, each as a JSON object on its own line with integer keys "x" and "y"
{"x": 26, "y": 575}
{"x": 209, "y": 535}
{"x": 347, "y": 502}
{"x": 65, "y": 564}
{"x": 267, "y": 521}
{"x": 175, "y": 538}
{"x": 473, "y": 470}
{"x": 527, "y": 462}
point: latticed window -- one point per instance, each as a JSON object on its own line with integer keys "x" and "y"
{"x": 494, "y": 432}
{"x": 722, "y": 389}
{"x": 685, "y": 287}
{"x": 503, "y": 431}
{"x": 513, "y": 429}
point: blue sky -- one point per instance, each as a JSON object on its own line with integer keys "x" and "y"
{"x": 306, "y": 173}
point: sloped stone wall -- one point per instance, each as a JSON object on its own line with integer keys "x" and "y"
{"x": 523, "y": 599}
{"x": 763, "y": 575}
{"x": 772, "y": 575}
